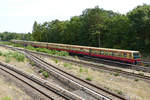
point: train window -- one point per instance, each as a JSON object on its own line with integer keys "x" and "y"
{"x": 102, "y": 52}
{"x": 95, "y": 51}
{"x": 125, "y": 55}
{"x": 116, "y": 54}
{"x": 129, "y": 56}
{"x": 105, "y": 53}
{"x": 110, "y": 53}
{"x": 113, "y": 54}
{"x": 85, "y": 50}
{"x": 119, "y": 54}
{"x": 136, "y": 55}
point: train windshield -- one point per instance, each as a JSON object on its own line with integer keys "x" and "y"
{"x": 136, "y": 55}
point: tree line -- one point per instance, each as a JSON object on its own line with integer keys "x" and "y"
{"x": 6, "y": 36}
{"x": 99, "y": 28}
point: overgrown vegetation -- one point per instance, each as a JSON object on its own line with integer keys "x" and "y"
{"x": 88, "y": 78}
{"x": 5, "y": 98}
{"x": 119, "y": 92}
{"x": 116, "y": 74}
{"x": 136, "y": 80}
{"x": 56, "y": 61}
{"x": 69, "y": 66}
{"x": 32, "y": 63}
{"x": 16, "y": 55}
{"x": 44, "y": 73}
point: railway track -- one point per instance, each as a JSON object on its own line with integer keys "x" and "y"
{"x": 92, "y": 65}
{"x": 93, "y": 91}
{"x": 96, "y": 92}
{"x": 118, "y": 64}
{"x": 96, "y": 66}
{"x": 49, "y": 90}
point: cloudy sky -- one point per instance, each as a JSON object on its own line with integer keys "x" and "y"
{"x": 19, "y": 15}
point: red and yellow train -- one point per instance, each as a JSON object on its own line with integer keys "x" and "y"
{"x": 127, "y": 56}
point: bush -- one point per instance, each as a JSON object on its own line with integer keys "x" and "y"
{"x": 116, "y": 74}
{"x": 89, "y": 79}
{"x": 41, "y": 70}
{"x": 56, "y": 61}
{"x": 30, "y": 47}
{"x": 7, "y": 59}
{"x": 136, "y": 80}
{"x": 32, "y": 63}
{"x": 18, "y": 56}
{"x": 120, "y": 92}
{"x": 45, "y": 74}
{"x": 1, "y": 53}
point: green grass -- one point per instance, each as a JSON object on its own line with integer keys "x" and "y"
{"x": 18, "y": 56}
{"x": 5, "y": 98}
{"x": 69, "y": 66}
{"x": 66, "y": 64}
{"x": 8, "y": 55}
{"x": 81, "y": 70}
{"x": 86, "y": 70}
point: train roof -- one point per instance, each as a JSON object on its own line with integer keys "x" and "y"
{"x": 86, "y": 47}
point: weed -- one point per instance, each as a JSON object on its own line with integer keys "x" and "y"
{"x": 6, "y": 98}
{"x": 66, "y": 64}
{"x": 136, "y": 80}
{"x": 32, "y": 63}
{"x": 81, "y": 70}
{"x": 119, "y": 92}
{"x": 41, "y": 70}
{"x": 88, "y": 78}
{"x": 56, "y": 61}
{"x": 76, "y": 57}
{"x": 7, "y": 59}
{"x": 111, "y": 73}
{"x": 86, "y": 70}
{"x": 1, "y": 53}
{"x": 116, "y": 74}
{"x": 19, "y": 57}
{"x": 45, "y": 74}
{"x": 17, "y": 45}
{"x": 141, "y": 74}
{"x": 106, "y": 88}
{"x": 70, "y": 67}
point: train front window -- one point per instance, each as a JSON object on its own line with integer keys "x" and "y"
{"x": 136, "y": 55}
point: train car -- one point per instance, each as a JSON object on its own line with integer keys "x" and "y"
{"x": 127, "y": 56}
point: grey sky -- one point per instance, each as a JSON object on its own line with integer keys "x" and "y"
{"x": 19, "y": 15}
